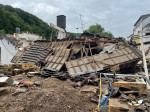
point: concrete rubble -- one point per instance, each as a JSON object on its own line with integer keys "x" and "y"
{"x": 6, "y": 81}
{"x": 110, "y": 65}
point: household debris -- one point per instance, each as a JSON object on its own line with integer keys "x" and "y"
{"x": 15, "y": 69}
{"x": 80, "y": 62}
{"x": 37, "y": 83}
{"x": 20, "y": 90}
{"x": 6, "y": 81}
{"x": 4, "y": 90}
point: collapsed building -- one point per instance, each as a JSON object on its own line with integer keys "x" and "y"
{"x": 89, "y": 53}
{"x": 111, "y": 64}
{"x": 82, "y": 60}
{"x": 110, "y": 69}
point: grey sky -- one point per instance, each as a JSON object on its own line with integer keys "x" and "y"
{"x": 116, "y": 16}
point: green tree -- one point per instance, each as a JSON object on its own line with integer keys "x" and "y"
{"x": 10, "y": 18}
{"x": 107, "y": 34}
{"x": 98, "y": 29}
{"x": 95, "y": 29}
{"x": 2, "y": 31}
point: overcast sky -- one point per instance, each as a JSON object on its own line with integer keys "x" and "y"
{"x": 116, "y": 16}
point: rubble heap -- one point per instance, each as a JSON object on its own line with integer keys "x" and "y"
{"x": 109, "y": 64}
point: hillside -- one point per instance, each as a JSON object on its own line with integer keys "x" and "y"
{"x": 10, "y": 18}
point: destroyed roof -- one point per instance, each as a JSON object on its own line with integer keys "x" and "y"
{"x": 59, "y": 56}
{"x": 78, "y": 56}
{"x": 102, "y": 61}
{"x": 35, "y": 54}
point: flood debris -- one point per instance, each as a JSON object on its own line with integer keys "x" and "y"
{"x": 109, "y": 64}
{"x": 123, "y": 56}
{"x": 116, "y": 105}
{"x": 4, "y": 90}
{"x": 27, "y": 84}
{"x": 37, "y": 83}
{"x": 20, "y": 90}
{"x": 6, "y": 81}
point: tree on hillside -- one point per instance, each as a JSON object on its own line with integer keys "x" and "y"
{"x": 107, "y": 34}
{"x": 98, "y": 29}
{"x": 10, "y": 18}
{"x": 2, "y": 31}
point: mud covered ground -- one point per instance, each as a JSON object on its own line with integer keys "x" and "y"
{"x": 53, "y": 95}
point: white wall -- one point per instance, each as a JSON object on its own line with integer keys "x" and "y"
{"x": 146, "y": 46}
{"x": 24, "y": 42}
{"x": 146, "y": 21}
{"x": 28, "y": 36}
{"x": 138, "y": 28}
{"x": 7, "y": 51}
{"x": 140, "y": 25}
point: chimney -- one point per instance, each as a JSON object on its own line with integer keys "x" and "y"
{"x": 61, "y": 21}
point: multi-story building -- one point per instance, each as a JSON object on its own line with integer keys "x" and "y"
{"x": 142, "y": 24}
{"x": 142, "y": 30}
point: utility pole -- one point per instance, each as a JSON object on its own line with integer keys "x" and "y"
{"x": 81, "y": 22}
{"x": 144, "y": 58}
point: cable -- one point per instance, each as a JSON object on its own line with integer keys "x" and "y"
{"x": 106, "y": 99}
{"x": 7, "y": 49}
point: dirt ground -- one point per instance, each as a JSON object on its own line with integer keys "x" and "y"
{"x": 53, "y": 95}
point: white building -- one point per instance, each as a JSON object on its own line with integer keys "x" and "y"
{"x": 143, "y": 23}
{"x": 8, "y": 51}
{"x": 142, "y": 29}
{"x": 28, "y": 36}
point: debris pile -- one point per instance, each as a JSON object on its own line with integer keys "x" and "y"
{"x": 128, "y": 93}
{"x": 111, "y": 65}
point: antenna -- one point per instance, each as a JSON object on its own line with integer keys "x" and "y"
{"x": 77, "y": 29}
{"x": 81, "y": 22}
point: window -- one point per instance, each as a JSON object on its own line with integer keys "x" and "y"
{"x": 147, "y": 34}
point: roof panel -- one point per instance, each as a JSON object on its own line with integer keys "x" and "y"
{"x": 120, "y": 56}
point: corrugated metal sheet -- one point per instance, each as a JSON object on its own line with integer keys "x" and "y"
{"x": 100, "y": 61}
